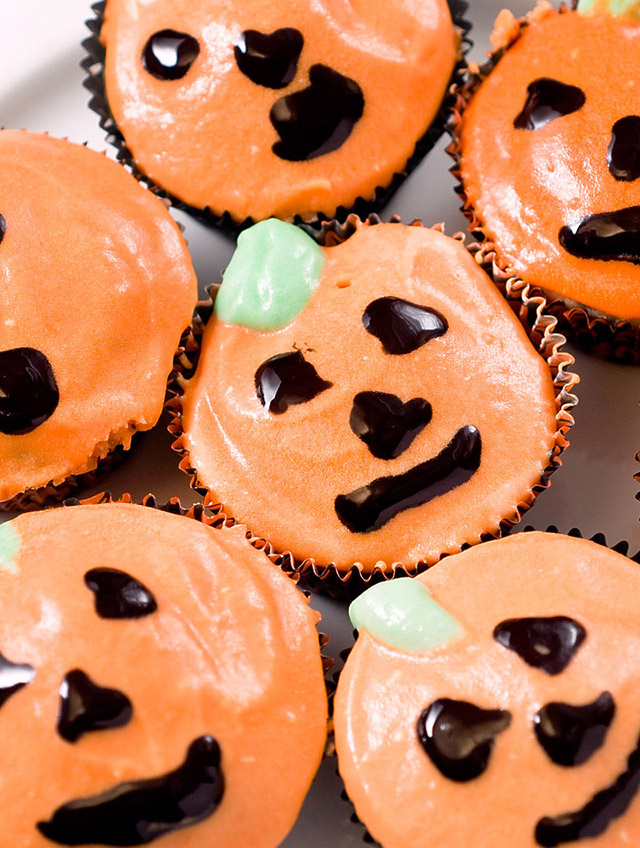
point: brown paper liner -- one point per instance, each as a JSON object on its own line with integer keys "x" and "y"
{"x": 54, "y": 493}
{"x": 531, "y": 309}
{"x": 93, "y": 64}
{"x": 593, "y": 331}
{"x": 621, "y": 547}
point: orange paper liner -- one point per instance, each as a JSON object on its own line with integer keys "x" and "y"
{"x": 621, "y": 547}
{"x": 93, "y": 65}
{"x": 54, "y": 493}
{"x": 591, "y": 330}
{"x": 531, "y": 309}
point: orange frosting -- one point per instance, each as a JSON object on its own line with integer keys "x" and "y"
{"x": 280, "y": 474}
{"x": 94, "y": 274}
{"x": 207, "y": 138}
{"x": 231, "y": 651}
{"x": 397, "y": 790}
{"x": 524, "y": 185}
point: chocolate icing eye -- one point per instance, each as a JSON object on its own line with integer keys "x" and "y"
{"x": 548, "y": 99}
{"x": 140, "y": 812}
{"x": 319, "y": 118}
{"x": 571, "y": 735}
{"x": 402, "y": 326}
{"x": 169, "y": 54}
{"x": 3, "y": 227}
{"x": 28, "y": 390}
{"x": 269, "y": 60}
{"x": 545, "y": 643}
{"x": 118, "y": 595}
{"x": 385, "y": 424}
{"x": 623, "y": 153}
{"x": 13, "y": 676}
{"x": 287, "y": 379}
{"x": 85, "y": 706}
{"x": 458, "y": 736}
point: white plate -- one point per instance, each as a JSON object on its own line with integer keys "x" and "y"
{"x": 41, "y": 89}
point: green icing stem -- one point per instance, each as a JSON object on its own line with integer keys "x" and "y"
{"x": 271, "y": 276}
{"x": 622, "y": 8}
{"x": 9, "y": 546}
{"x": 401, "y": 614}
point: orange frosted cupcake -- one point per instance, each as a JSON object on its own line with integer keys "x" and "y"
{"x": 255, "y": 109}
{"x": 372, "y": 403}
{"x": 97, "y": 288}
{"x": 548, "y": 155}
{"x": 162, "y": 681}
{"x": 495, "y": 700}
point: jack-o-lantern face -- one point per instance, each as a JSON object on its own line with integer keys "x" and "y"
{"x": 551, "y": 158}
{"x": 362, "y": 425}
{"x": 280, "y": 108}
{"x": 150, "y": 687}
{"x": 90, "y": 318}
{"x": 495, "y": 700}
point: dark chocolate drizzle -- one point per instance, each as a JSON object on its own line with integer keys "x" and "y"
{"x": 85, "y": 706}
{"x": 139, "y": 812}
{"x": 545, "y": 643}
{"x": 385, "y": 424}
{"x": 3, "y": 227}
{"x": 623, "y": 153}
{"x": 571, "y": 734}
{"x": 458, "y": 736}
{"x": 319, "y": 118}
{"x": 287, "y": 379}
{"x": 271, "y": 59}
{"x": 28, "y": 390}
{"x": 169, "y": 54}
{"x": 608, "y": 235}
{"x": 371, "y": 506}
{"x": 595, "y": 817}
{"x": 118, "y": 594}
{"x": 548, "y": 99}
{"x": 402, "y": 326}
{"x": 13, "y": 676}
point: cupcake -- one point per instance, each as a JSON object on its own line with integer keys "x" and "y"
{"x": 548, "y": 156}
{"x": 97, "y": 288}
{"x": 246, "y": 110}
{"x": 167, "y": 676}
{"x": 374, "y": 403}
{"x": 494, "y": 700}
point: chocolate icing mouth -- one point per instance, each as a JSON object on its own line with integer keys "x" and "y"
{"x": 140, "y": 812}
{"x": 370, "y": 507}
{"x": 606, "y": 236}
{"x": 597, "y": 814}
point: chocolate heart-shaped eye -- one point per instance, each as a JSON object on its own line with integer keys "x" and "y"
{"x": 319, "y": 118}
{"x": 402, "y": 326}
{"x": 169, "y": 54}
{"x": 28, "y": 390}
{"x": 458, "y": 736}
{"x": 623, "y": 153}
{"x": 548, "y": 99}
{"x": 385, "y": 424}
{"x": 287, "y": 379}
{"x": 545, "y": 643}
{"x": 269, "y": 60}
{"x": 85, "y": 706}
{"x": 13, "y": 676}
{"x": 572, "y": 734}
{"x": 118, "y": 594}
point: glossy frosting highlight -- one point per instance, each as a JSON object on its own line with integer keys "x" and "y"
{"x": 286, "y": 472}
{"x": 470, "y": 744}
{"x": 95, "y": 276}
{"x": 526, "y": 185}
{"x": 215, "y": 699}
{"x": 221, "y": 137}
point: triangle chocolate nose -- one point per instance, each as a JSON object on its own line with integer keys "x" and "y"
{"x": 385, "y": 424}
